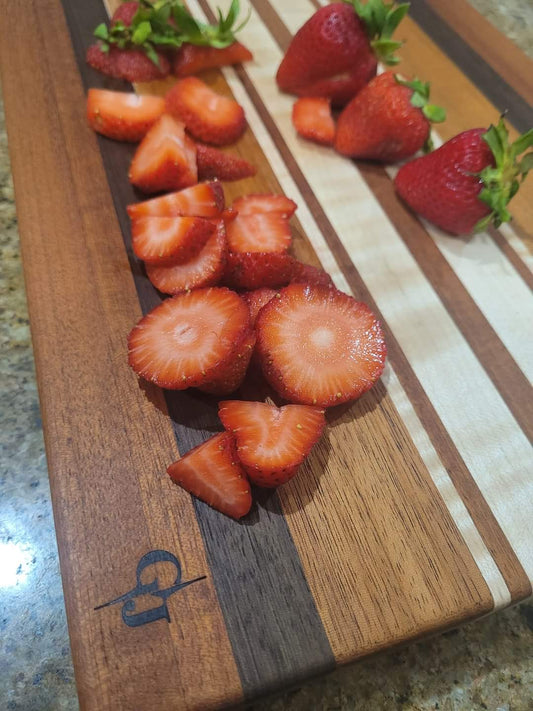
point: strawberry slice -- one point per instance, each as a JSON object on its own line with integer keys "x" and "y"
{"x": 256, "y": 299}
{"x": 160, "y": 239}
{"x": 202, "y": 200}
{"x": 208, "y": 116}
{"x": 215, "y": 164}
{"x": 186, "y": 340}
{"x": 318, "y": 346}
{"x": 165, "y": 158}
{"x": 272, "y": 441}
{"x": 230, "y": 377}
{"x": 192, "y": 59}
{"x": 308, "y": 274}
{"x": 272, "y": 204}
{"x": 129, "y": 64}
{"x": 204, "y": 269}
{"x": 253, "y": 270}
{"x": 262, "y": 232}
{"x": 123, "y": 116}
{"x": 211, "y": 472}
{"x": 312, "y": 119}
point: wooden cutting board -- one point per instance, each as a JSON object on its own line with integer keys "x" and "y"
{"x": 414, "y": 512}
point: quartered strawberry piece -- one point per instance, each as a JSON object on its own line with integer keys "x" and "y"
{"x": 184, "y": 341}
{"x": 272, "y": 441}
{"x": 192, "y": 59}
{"x": 230, "y": 377}
{"x": 256, "y": 299}
{"x": 215, "y": 164}
{"x": 208, "y": 116}
{"x": 202, "y": 200}
{"x": 211, "y": 472}
{"x": 259, "y": 203}
{"x": 261, "y": 232}
{"x": 160, "y": 239}
{"x": 318, "y": 346}
{"x": 123, "y": 116}
{"x": 204, "y": 269}
{"x": 312, "y": 119}
{"x": 308, "y": 274}
{"x": 253, "y": 270}
{"x": 165, "y": 158}
{"x": 129, "y": 64}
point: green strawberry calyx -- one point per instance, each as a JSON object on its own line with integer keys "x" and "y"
{"x": 420, "y": 99}
{"x": 381, "y": 20}
{"x": 167, "y": 24}
{"x": 501, "y": 181}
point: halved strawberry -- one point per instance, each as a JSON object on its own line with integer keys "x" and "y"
{"x": 123, "y": 116}
{"x": 211, "y": 472}
{"x": 165, "y": 158}
{"x": 129, "y": 64}
{"x": 272, "y": 204}
{"x": 202, "y": 200}
{"x": 215, "y": 164}
{"x": 160, "y": 239}
{"x": 312, "y": 119}
{"x": 184, "y": 341}
{"x": 256, "y": 299}
{"x": 272, "y": 441}
{"x": 318, "y": 346}
{"x": 204, "y": 269}
{"x": 253, "y": 270}
{"x": 230, "y": 377}
{"x": 308, "y": 274}
{"x": 192, "y": 59}
{"x": 209, "y": 117}
{"x": 262, "y": 232}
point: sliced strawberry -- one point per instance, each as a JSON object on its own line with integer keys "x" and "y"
{"x": 165, "y": 158}
{"x": 253, "y": 270}
{"x": 192, "y": 59}
{"x": 230, "y": 377}
{"x": 122, "y": 116}
{"x": 204, "y": 269}
{"x": 262, "y": 232}
{"x": 318, "y": 346}
{"x": 272, "y": 204}
{"x": 256, "y": 299}
{"x": 202, "y": 200}
{"x": 308, "y": 274}
{"x": 185, "y": 340}
{"x": 272, "y": 441}
{"x": 312, "y": 119}
{"x": 215, "y": 164}
{"x": 160, "y": 239}
{"x": 129, "y": 64}
{"x": 211, "y": 472}
{"x": 209, "y": 117}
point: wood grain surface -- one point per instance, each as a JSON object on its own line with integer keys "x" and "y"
{"x": 412, "y": 514}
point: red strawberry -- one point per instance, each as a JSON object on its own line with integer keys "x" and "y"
{"x": 209, "y": 117}
{"x": 165, "y": 158}
{"x": 467, "y": 183}
{"x": 211, "y": 472}
{"x": 229, "y": 378}
{"x": 312, "y": 119}
{"x": 334, "y": 54}
{"x": 256, "y": 299}
{"x": 129, "y": 64}
{"x": 253, "y": 270}
{"x": 186, "y": 340}
{"x": 204, "y": 269}
{"x": 308, "y": 274}
{"x": 192, "y": 59}
{"x": 122, "y": 116}
{"x": 272, "y": 442}
{"x": 125, "y": 13}
{"x": 160, "y": 239}
{"x": 388, "y": 120}
{"x": 272, "y": 204}
{"x": 262, "y": 232}
{"x": 202, "y": 200}
{"x": 318, "y": 346}
{"x": 215, "y": 164}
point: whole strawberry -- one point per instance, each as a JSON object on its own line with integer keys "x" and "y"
{"x": 335, "y": 53}
{"x": 388, "y": 120}
{"x": 466, "y": 184}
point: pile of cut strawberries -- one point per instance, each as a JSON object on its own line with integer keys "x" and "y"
{"x": 239, "y": 305}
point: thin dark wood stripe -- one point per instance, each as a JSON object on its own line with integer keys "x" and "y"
{"x": 255, "y": 566}
{"x": 482, "y": 515}
{"x": 519, "y": 265}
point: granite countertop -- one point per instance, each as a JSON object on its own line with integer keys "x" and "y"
{"x": 484, "y": 665}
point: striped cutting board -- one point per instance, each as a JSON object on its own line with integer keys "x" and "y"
{"x": 414, "y": 513}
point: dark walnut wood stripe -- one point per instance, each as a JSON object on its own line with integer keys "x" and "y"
{"x": 254, "y": 565}
{"x": 483, "y": 517}
{"x": 522, "y": 268}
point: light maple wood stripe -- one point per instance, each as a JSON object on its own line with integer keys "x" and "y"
{"x": 409, "y": 304}
{"x": 122, "y": 449}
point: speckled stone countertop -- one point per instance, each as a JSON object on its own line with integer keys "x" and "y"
{"x": 485, "y": 665}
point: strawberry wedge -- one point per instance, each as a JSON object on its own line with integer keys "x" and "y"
{"x": 312, "y": 119}
{"x": 202, "y": 200}
{"x": 214, "y": 164}
{"x": 265, "y": 203}
{"x": 192, "y": 59}
{"x": 157, "y": 240}
{"x": 262, "y": 232}
{"x": 123, "y": 116}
